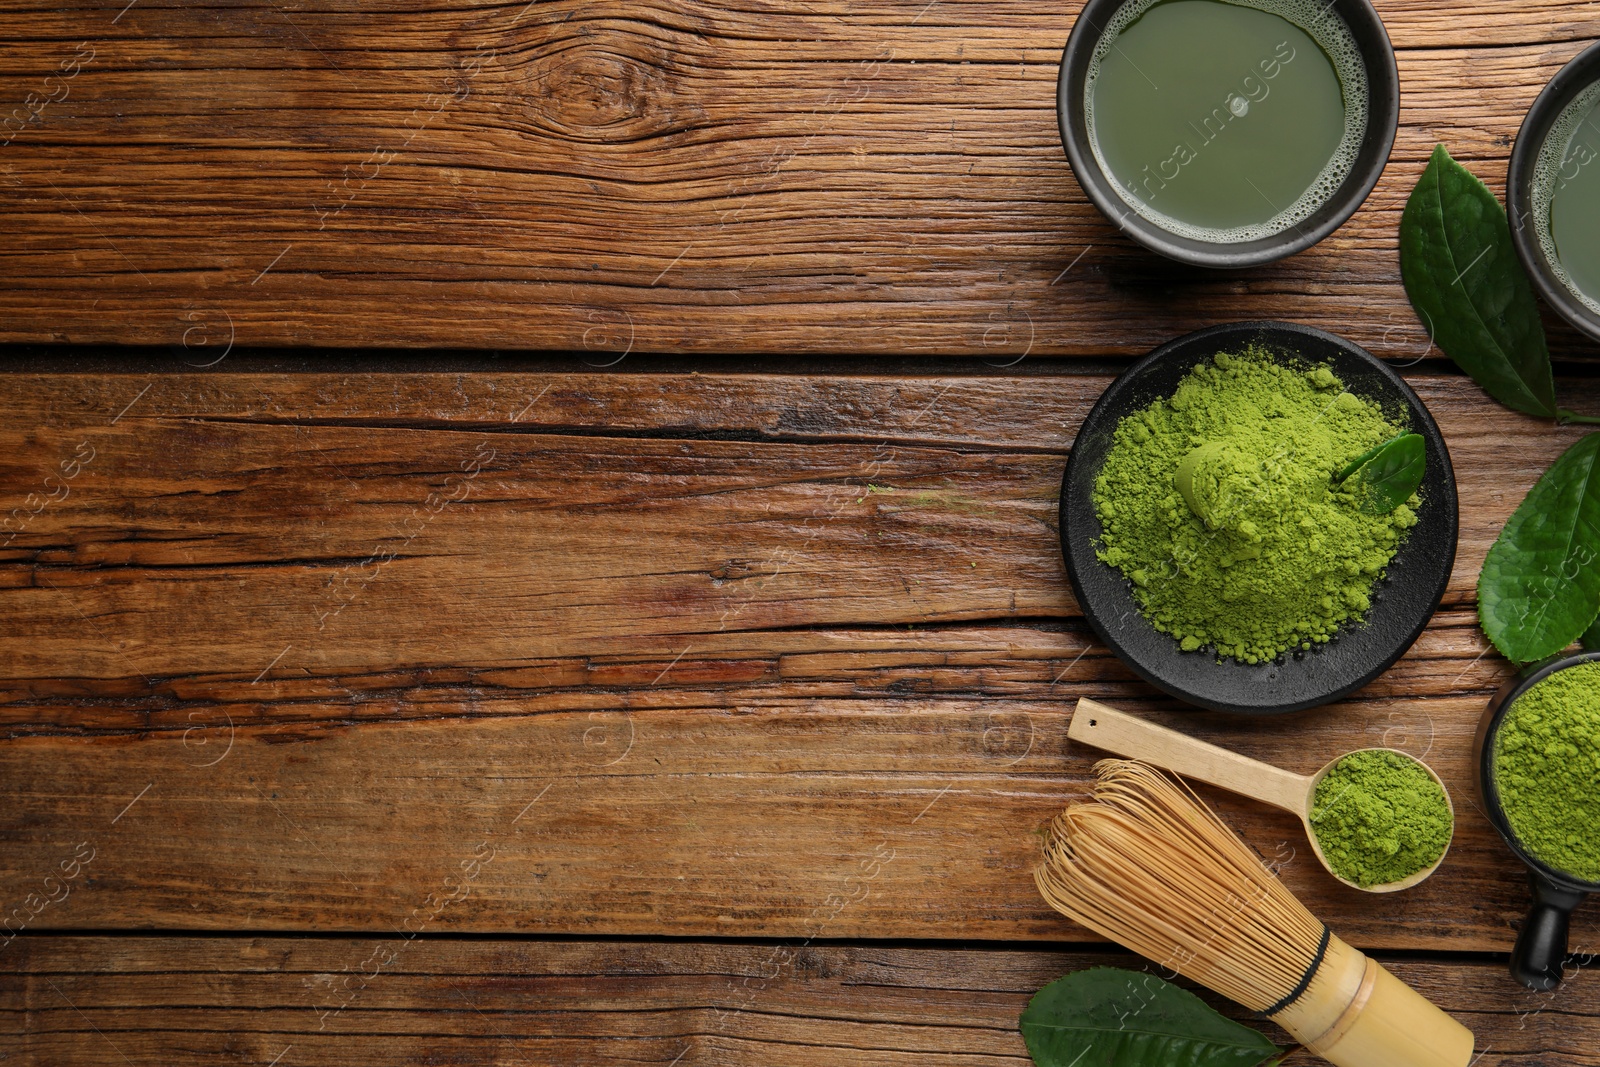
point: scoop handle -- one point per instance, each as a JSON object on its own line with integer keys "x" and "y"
{"x": 1541, "y": 949}
{"x": 1102, "y": 726}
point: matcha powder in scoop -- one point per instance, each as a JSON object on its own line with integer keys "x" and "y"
{"x": 1220, "y": 504}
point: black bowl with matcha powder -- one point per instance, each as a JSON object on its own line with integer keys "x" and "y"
{"x": 1225, "y": 538}
{"x": 1539, "y": 775}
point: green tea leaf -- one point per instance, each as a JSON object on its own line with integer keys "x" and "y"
{"x": 1540, "y": 587}
{"x": 1591, "y": 640}
{"x": 1390, "y": 473}
{"x": 1463, "y": 277}
{"x": 1357, "y": 463}
{"x": 1105, "y": 1017}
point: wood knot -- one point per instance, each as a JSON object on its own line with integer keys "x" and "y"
{"x": 735, "y": 570}
{"x": 606, "y": 86}
{"x": 588, "y": 77}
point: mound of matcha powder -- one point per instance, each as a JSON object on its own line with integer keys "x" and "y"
{"x": 1218, "y": 503}
{"x": 1547, "y": 770}
{"x": 1380, "y": 817}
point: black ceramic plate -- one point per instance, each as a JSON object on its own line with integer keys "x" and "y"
{"x": 1402, "y": 603}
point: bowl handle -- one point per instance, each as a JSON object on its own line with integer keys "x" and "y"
{"x": 1542, "y": 944}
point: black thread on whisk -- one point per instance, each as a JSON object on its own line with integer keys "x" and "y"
{"x": 1305, "y": 981}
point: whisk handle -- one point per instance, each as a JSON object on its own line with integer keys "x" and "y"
{"x": 1357, "y": 1014}
{"x": 1104, "y": 727}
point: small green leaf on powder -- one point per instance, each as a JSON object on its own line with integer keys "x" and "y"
{"x": 1356, "y": 464}
{"x": 1390, "y": 473}
{"x": 1106, "y": 1017}
{"x": 1463, "y": 277}
{"x": 1540, "y": 586}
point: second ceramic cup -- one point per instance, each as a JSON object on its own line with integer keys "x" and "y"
{"x": 1553, "y": 192}
{"x": 1228, "y": 133}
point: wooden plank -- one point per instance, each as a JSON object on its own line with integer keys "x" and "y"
{"x": 731, "y": 636}
{"x": 774, "y": 816}
{"x": 676, "y": 175}
{"x": 267, "y": 510}
{"x": 95, "y": 1001}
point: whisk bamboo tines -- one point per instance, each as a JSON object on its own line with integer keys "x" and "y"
{"x": 1147, "y": 864}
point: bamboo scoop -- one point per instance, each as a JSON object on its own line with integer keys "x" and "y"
{"x": 1106, "y": 728}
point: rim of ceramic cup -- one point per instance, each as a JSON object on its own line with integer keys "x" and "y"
{"x": 1562, "y": 90}
{"x": 1383, "y": 120}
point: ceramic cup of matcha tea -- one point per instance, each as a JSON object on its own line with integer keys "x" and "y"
{"x": 1553, "y": 192}
{"x": 1538, "y": 771}
{"x": 1228, "y": 133}
{"x": 1379, "y": 820}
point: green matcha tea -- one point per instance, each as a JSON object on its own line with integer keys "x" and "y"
{"x": 1547, "y": 770}
{"x": 1226, "y": 120}
{"x": 1380, "y": 818}
{"x": 1566, "y": 197}
{"x": 1220, "y": 504}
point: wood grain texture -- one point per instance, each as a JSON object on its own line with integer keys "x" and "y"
{"x": 94, "y": 1001}
{"x": 690, "y": 654}
{"x": 594, "y": 175}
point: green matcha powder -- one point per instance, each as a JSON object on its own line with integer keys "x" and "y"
{"x": 1380, "y": 817}
{"x": 1218, "y": 503}
{"x": 1547, "y": 770}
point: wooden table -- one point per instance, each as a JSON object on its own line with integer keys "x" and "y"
{"x": 601, "y": 707}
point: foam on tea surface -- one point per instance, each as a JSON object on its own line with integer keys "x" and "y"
{"x": 1570, "y": 155}
{"x": 1339, "y": 50}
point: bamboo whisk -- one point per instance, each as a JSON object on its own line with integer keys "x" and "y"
{"x": 1148, "y": 865}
